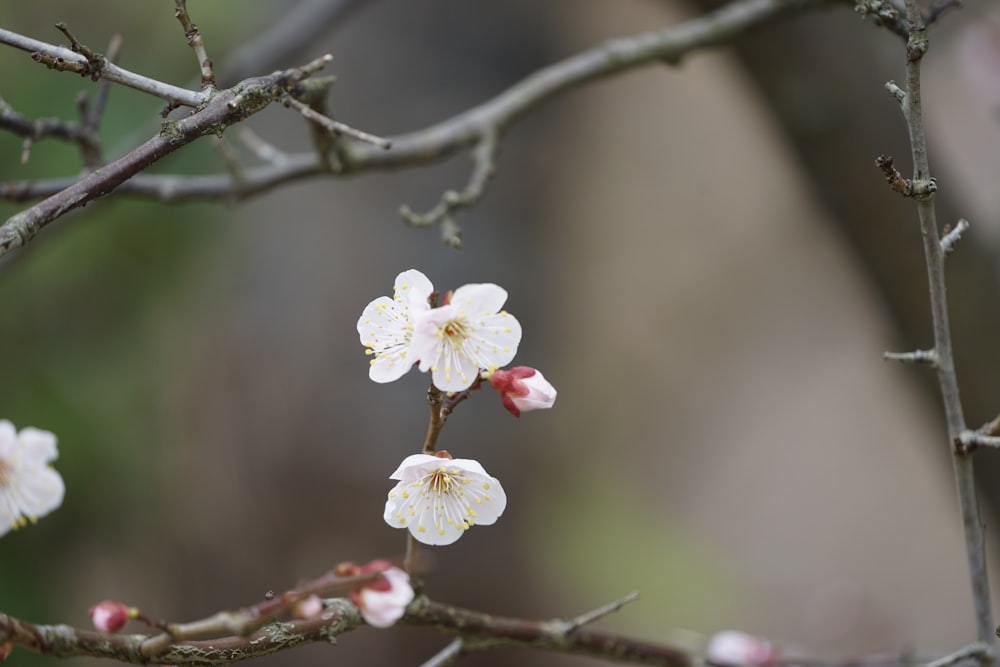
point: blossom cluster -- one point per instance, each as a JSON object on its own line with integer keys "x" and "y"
{"x": 466, "y": 338}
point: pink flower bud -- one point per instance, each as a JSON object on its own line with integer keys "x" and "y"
{"x": 383, "y": 600}
{"x": 732, "y": 648}
{"x": 307, "y": 607}
{"x": 523, "y": 388}
{"x": 110, "y": 616}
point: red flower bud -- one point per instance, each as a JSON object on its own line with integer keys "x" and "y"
{"x": 523, "y": 388}
{"x": 110, "y": 616}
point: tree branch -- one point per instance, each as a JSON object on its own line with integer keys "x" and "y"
{"x": 476, "y": 126}
{"x": 222, "y": 110}
{"x": 61, "y": 58}
{"x": 479, "y": 631}
{"x": 934, "y": 254}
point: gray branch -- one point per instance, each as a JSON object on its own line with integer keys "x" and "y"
{"x": 473, "y": 127}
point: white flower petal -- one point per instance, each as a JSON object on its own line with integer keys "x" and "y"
{"x": 41, "y": 492}
{"x": 480, "y": 298}
{"x": 470, "y": 334}
{"x": 29, "y": 487}
{"x": 37, "y": 444}
{"x": 445, "y": 500}
{"x": 416, "y": 466}
{"x": 413, "y": 288}
{"x": 386, "y": 326}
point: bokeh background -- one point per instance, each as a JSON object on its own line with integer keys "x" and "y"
{"x": 704, "y": 260}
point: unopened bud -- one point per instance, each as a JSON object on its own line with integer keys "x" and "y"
{"x": 732, "y": 648}
{"x": 307, "y": 607}
{"x": 383, "y": 600}
{"x": 110, "y": 616}
{"x": 523, "y": 388}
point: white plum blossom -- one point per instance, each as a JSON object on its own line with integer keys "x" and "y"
{"x": 469, "y": 333}
{"x": 523, "y": 389}
{"x": 732, "y": 648}
{"x": 438, "y": 498}
{"x": 29, "y": 487}
{"x": 386, "y": 326}
{"x": 383, "y": 600}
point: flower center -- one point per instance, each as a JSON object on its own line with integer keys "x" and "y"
{"x": 456, "y": 331}
{"x": 441, "y": 482}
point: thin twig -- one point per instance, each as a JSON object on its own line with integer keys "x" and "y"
{"x": 335, "y": 127}
{"x": 915, "y": 357}
{"x": 42, "y": 128}
{"x": 59, "y": 57}
{"x": 448, "y": 655}
{"x": 952, "y": 236}
{"x": 461, "y": 131}
{"x": 196, "y": 43}
{"x": 225, "y": 108}
{"x": 594, "y": 615}
{"x": 484, "y": 159}
{"x": 916, "y": 47}
{"x": 980, "y": 652}
{"x": 969, "y": 441}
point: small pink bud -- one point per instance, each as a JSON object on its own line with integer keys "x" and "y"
{"x": 732, "y": 648}
{"x": 523, "y": 388}
{"x": 5, "y": 650}
{"x": 307, "y": 607}
{"x": 383, "y": 600}
{"x": 110, "y": 616}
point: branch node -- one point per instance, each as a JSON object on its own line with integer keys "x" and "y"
{"x": 952, "y": 236}
{"x": 896, "y": 92}
{"x": 95, "y": 61}
{"x": 194, "y": 40}
{"x": 928, "y": 357}
{"x": 903, "y": 186}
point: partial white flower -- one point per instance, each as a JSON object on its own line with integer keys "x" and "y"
{"x": 470, "y": 333}
{"x": 29, "y": 487}
{"x": 383, "y": 600}
{"x": 732, "y": 648}
{"x": 439, "y": 498}
{"x": 386, "y": 326}
{"x": 523, "y": 389}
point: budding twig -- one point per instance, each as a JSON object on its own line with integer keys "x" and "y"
{"x": 197, "y": 45}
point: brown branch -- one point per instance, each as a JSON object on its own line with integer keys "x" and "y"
{"x": 224, "y": 109}
{"x": 465, "y": 130}
{"x": 480, "y": 631}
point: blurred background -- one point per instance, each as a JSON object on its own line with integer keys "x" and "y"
{"x": 705, "y": 262}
